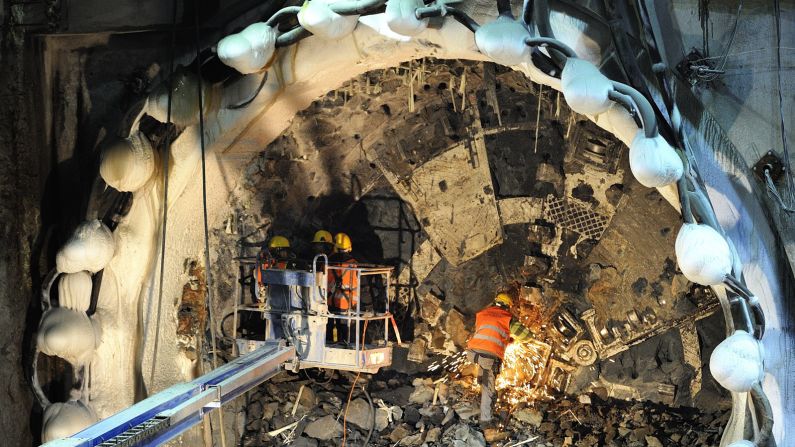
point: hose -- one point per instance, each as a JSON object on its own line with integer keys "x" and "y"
{"x": 290, "y": 37}
{"x": 764, "y": 413}
{"x": 254, "y": 96}
{"x": 552, "y": 43}
{"x": 372, "y": 413}
{"x": 626, "y": 102}
{"x": 644, "y": 108}
{"x": 527, "y": 12}
{"x": 280, "y": 14}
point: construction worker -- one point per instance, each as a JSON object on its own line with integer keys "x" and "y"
{"x": 322, "y": 243}
{"x": 278, "y": 255}
{"x": 495, "y": 327}
{"x": 342, "y": 286}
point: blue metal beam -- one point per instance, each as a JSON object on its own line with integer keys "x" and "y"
{"x": 161, "y": 417}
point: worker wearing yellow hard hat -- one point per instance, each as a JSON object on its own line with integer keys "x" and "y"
{"x": 495, "y": 329}
{"x": 343, "y": 284}
{"x": 342, "y": 243}
{"x": 322, "y": 243}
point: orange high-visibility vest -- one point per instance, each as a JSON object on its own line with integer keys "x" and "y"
{"x": 492, "y": 331}
{"x": 270, "y": 264}
{"x": 344, "y": 283}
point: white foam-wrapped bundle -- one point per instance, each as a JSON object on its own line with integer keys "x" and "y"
{"x": 249, "y": 50}
{"x": 319, "y": 19}
{"x": 74, "y": 291}
{"x": 737, "y": 363}
{"x": 502, "y": 40}
{"x": 585, "y": 88}
{"x": 401, "y": 19}
{"x": 127, "y": 164}
{"x": 703, "y": 254}
{"x": 63, "y": 419}
{"x": 743, "y": 443}
{"x": 653, "y": 161}
{"x": 620, "y": 123}
{"x": 68, "y": 334}
{"x": 90, "y": 248}
{"x": 184, "y": 100}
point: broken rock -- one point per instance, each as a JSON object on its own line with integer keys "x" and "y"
{"x": 466, "y": 410}
{"x": 400, "y": 432}
{"x": 359, "y": 414}
{"x": 494, "y": 435}
{"x": 421, "y": 395}
{"x": 457, "y": 329}
{"x": 324, "y": 428}
{"x": 433, "y": 435}
{"x": 529, "y": 416}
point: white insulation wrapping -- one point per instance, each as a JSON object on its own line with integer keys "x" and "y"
{"x": 249, "y": 50}
{"x": 703, "y": 254}
{"x": 68, "y": 334}
{"x": 401, "y": 19}
{"x": 319, "y": 19}
{"x": 737, "y": 362}
{"x": 617, "y": 120}
{"x": 128, "y": 164}
{"x": 184, "y": 99}
{"x": 90, "y": 248}
{"x": 743, "y": 443}
{"x": 502, "y": 40}
{"x": 74, "y": 291}
{"x": 585, "y": 88}
{"x": 653, "y": 161}
{"x": 63, "y": 419}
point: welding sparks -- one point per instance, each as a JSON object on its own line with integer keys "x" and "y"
{"x": 521, "y": 378}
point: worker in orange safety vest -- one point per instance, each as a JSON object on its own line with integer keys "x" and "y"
{"x": 278, "y": 255}
{"x": 495, "y": 329}
{"x": 342, "y": 286}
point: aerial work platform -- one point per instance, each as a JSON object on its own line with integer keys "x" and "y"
{"x": 293, "y": 336}
{"x": 301, "y": 314}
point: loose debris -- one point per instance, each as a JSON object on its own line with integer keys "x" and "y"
{"x": 416, "y": 411}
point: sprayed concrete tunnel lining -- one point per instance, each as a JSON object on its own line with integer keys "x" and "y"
{"x": 187, "y": 204}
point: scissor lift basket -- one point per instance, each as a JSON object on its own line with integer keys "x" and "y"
{"x": 305, "y": 327}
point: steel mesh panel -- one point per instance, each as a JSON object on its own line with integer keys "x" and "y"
{"x": 575, "y": 217}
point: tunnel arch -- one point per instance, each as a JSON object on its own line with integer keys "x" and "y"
{"x": 295, "y": 78}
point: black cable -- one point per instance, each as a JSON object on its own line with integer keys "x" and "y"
{"x": 166, "y": 154}
{"x": 785, "y": 147}
{"x": 527, "y": 12}
{"x": 207, "y": 266}
{"x": 764, "y": 413}
{"x": 279, "y": 15}
{"x": 254, "y": 96}
{"x": 504, "y": 8}
{"x": 462, "y": 18}
{"x": 290, "y": 37}
{"x": 554, "y": 44}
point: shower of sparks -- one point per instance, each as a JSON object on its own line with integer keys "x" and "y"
{"x": 451, "y": 364}
{"x": 522, "y": 374}
{"x": 521, "y": 378}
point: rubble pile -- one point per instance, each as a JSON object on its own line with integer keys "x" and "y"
{"x": 404, "y": 410}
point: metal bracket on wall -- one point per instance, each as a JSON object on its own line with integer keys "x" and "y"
{"x": 771, "y": 163}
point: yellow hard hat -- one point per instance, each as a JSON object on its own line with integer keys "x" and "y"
{"x": 504, "y": 299}
{"x": 279, "y": 242}
{"x": 323, "y": 236}
{"x": 342, "y": 242}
